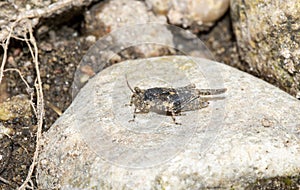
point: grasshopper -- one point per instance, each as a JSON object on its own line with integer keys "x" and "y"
{"x": 170, "y": 101}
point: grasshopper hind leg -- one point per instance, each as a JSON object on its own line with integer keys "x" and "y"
{"x": 212, "y": 91}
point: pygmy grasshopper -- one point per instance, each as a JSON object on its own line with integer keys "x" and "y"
{"x": 170, "y": 101}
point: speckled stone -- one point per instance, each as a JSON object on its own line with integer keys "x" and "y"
{"x": 190, "y": 12}
{"x": 118, "y": 15}
{"x": 268, "y": 37}
{"x": 108, "y": 16}
{"x": 251, "y": 132}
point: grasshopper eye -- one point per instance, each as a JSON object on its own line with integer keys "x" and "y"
{"x": 137, "y": 89}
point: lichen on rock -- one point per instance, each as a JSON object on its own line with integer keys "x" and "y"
{"x": 269, "y": 40}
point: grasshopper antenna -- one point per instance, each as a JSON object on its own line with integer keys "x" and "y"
{"x": 128, "y": 84}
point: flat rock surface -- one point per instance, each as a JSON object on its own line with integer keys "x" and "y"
{"x": 250, "y": 132}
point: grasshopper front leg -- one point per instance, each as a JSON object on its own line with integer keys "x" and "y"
{"x": 138, "y": 112}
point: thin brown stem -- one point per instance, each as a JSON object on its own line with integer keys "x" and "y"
{"x": 40, "y": 104}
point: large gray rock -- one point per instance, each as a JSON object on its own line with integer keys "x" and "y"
{"x": 268, "y": 38}
{"x": 250, "y": 132}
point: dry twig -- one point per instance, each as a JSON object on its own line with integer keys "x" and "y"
{"x": 39, "y": 108}
{"x": 39, "y": 105}
{"x": 5, "y": 47}
{"x": 35, "y": 14}
{"x": 29, "y": 89}
{"x": 5, "y": 181}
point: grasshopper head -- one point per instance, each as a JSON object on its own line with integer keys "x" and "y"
{"x": 137, "y": 98}
{"x": 137, "y": 90}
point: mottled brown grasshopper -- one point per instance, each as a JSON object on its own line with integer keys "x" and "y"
{"x": 170, "y": 101}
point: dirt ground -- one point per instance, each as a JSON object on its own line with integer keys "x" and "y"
{"x": 61, "y": 48}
